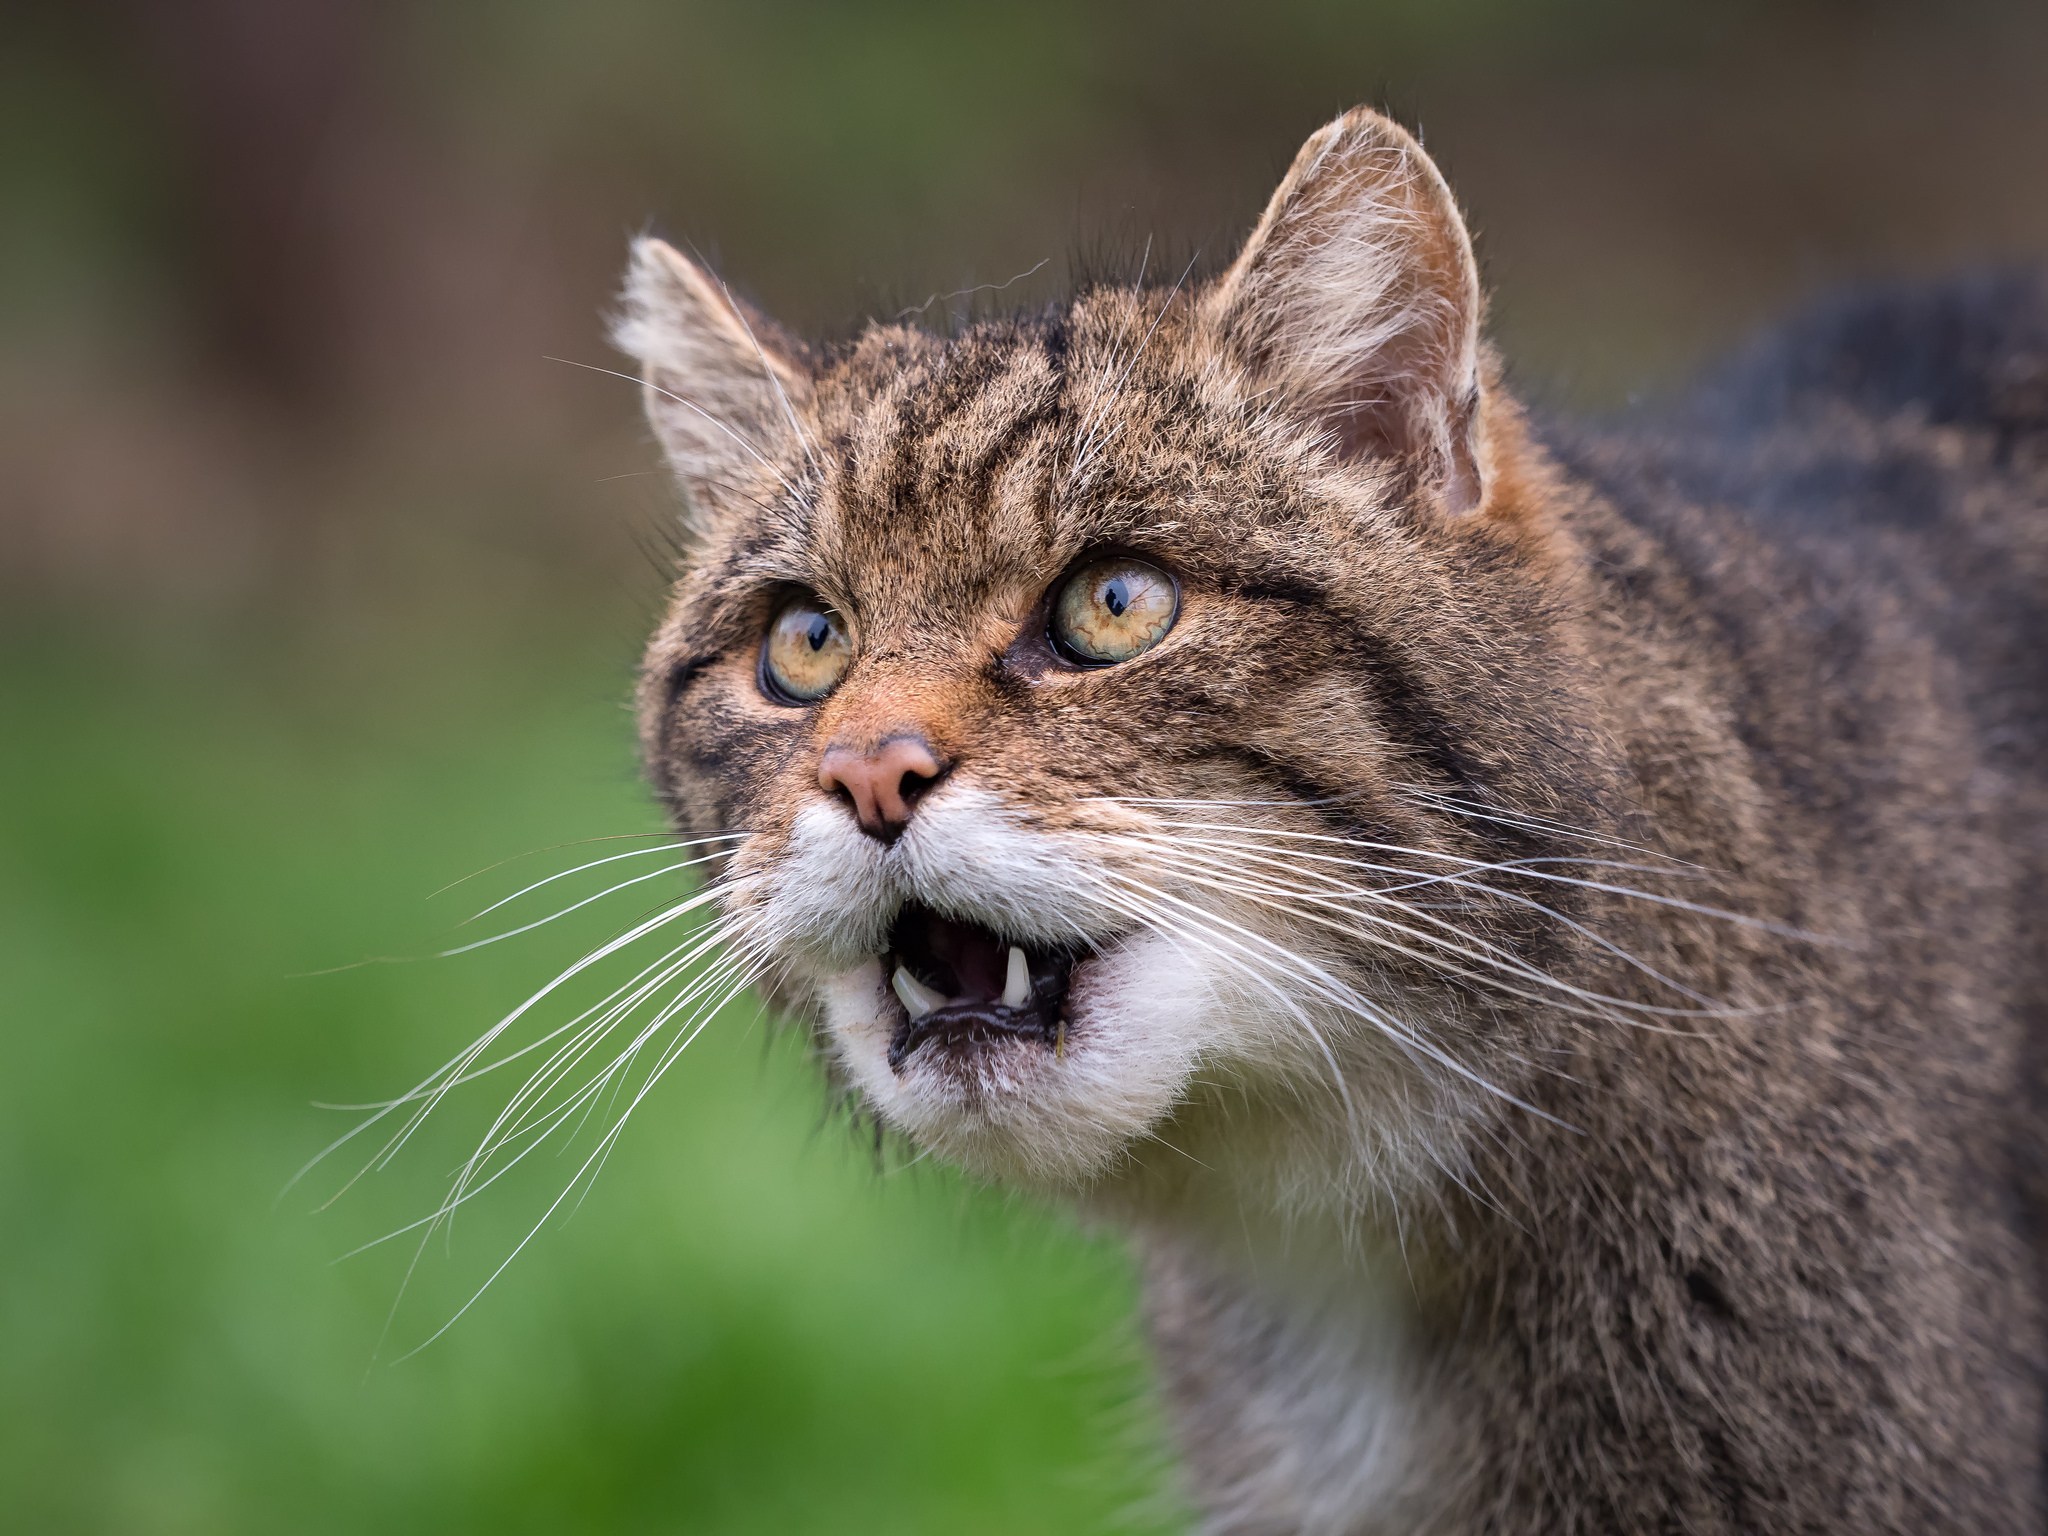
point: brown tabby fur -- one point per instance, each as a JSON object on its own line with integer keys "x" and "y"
{"x": 1768, "y": 1261}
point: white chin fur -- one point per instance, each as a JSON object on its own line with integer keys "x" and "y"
{"x": 1014, "y": 1110}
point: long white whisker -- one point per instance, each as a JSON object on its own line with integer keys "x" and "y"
{"x": 439, "y": 1081}
{"x": 430, "y": 1091}
{"x": 460, "y": 1193}
{"x": 1522, "y": 821}
{"x": 1341, "y": 897}
{"x": 1480, "y": 952}
{"x": 1529, "y": 821}
{"x": 668, "y": 840}
{"x": 575, "y": 906}
{"x": 632, "y": 853}
{"x": 1475, "y": 865}
{"x": 539, "y": 1128}
{"x": 604, "y": 951}
{"x": 1347, "y": 997}
{"x": 1173, "y": 928}
{"x": 742, "y": 979}
{"x": 516, "y": 1112}
{"x": 594, "y": 1158}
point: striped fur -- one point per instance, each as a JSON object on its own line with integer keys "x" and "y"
{"x": 1565, "y": 987}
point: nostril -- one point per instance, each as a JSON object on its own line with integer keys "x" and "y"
{"x": 904, "y": 767}
{"x": 883, "y": 782}
{"x": 915, "y": 781}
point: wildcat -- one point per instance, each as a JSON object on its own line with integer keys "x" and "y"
{"x": 1534, "y": 932}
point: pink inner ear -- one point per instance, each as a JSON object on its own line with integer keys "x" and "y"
{"x": 1358, "y": 295}
{"x": 1462, "y": 488}
{"x": 1406, "y": 421}
{"x": 1461, "y": 484}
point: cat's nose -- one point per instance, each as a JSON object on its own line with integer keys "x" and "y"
{"x": 883, "y": 782}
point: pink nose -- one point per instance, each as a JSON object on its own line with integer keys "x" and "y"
{"x": 882, "y": 782}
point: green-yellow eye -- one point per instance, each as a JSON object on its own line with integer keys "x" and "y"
{"x": 806, "y": 652}
{"x": 1113, "y": 609}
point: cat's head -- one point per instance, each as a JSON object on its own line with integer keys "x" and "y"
{"x": 1070, "y": 678}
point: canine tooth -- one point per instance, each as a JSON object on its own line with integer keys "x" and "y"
{"x": 918, "y": 999}
{"x": 1017, "y": 985}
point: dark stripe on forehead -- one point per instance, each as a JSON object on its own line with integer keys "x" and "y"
{"x": 1035, "y": 383}
{"x": 899, "y": 486}
{"x": 945, "y": 434}
{"x": 979, "y": 369}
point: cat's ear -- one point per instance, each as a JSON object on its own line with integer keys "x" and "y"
{"x": 728, "y": 392}
{"x": 1357, "y": 299}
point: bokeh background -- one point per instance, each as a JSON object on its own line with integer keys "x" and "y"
{"x": 320, "y": 586}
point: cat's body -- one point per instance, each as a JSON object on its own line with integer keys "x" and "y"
{"x": 1788, "y": 1279}
{"x": 1536, "y": 934}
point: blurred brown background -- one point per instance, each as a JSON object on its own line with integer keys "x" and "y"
{"x": 279, "y": 271}
{"x": 320, "y": 588}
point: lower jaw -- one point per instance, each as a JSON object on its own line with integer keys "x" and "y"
{"x": 966, "y": 1031}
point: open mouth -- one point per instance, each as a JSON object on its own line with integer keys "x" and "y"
{"x": 961, "y": 984}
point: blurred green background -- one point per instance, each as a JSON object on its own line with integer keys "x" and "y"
{"x": 320, "y": 587}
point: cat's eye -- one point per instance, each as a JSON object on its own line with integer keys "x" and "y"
{"x": 1113, "y": 609}
{"x": 806, "y": 652}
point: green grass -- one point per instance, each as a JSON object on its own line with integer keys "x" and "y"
{"x": 747, "y": 1326}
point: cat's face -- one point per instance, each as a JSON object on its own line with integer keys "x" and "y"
{"x": 1030, "y": 665}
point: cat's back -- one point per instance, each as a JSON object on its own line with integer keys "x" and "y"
{"x": 1836, "y": 550}
{"x": 1843, "y": 535}
{"x": 1867, "y": 479}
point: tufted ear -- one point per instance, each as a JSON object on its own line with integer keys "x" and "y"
{"x": 1357, "y": 298}
{"x": 727, "y": 391}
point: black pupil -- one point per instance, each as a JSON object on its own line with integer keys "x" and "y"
{"x": 818, "y": 631}
{"x": 1116, "y": 597}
